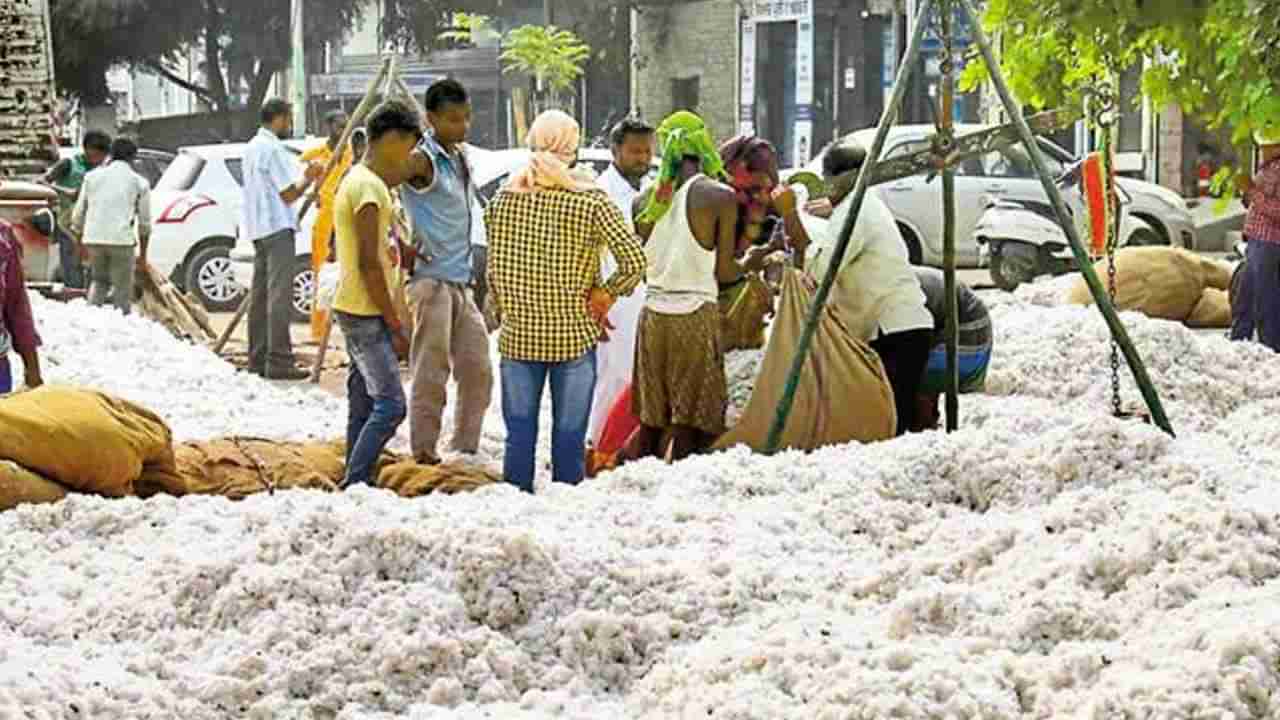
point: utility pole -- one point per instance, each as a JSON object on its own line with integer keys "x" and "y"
{"x": 298, "y": 71}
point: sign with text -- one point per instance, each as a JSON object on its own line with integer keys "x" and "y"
{"x": 779, "y": 10}
{"x": 357, "y": 84}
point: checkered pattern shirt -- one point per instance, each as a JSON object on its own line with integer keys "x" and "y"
{"x": 544, "y": 257}
{"x": 1263, "y": 221}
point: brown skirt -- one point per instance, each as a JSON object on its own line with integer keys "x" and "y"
{"x": 679, "y": 375}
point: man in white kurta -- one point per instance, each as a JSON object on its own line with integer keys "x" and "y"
{"x": 632, "y": 157}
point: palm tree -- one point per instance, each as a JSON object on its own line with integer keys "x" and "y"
{"x": 554, "y": 58}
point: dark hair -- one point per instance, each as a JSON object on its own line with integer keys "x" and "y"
{"x": 124, "y": 149}
{"x": 274, "y": 108}
{"x": 390, "y": 116}
{"x": 842, "y": 157}
{"x": 445, "y": 92}
{"x": 96, "y": 140}
{"x": 630, "y": 126}
{"x": 332, "y": 116}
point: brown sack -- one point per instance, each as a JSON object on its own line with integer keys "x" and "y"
{"x": 743, "y": 309}
{"x": 20, "y": 486}
{"x": 1213, "y": 310}
{"x": 1159, "y": 282}
{"x": 239, "y": 467}
{"x": 1216, "y": 273}
{"x": 408, "y": 479}
{"x": 84, "y": 440}
{"x": 843, "y": 394}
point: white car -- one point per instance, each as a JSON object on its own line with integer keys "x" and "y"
{"x": 498, "y": 167}
{"x": 916, "y": 203}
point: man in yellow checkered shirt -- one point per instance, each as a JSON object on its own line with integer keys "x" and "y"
{"x": 547, "y": 229}
{"x": 335, "y": 122}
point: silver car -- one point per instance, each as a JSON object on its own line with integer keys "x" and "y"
{"x": 916, "y": 202}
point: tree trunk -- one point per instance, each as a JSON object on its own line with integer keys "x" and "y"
{"x": 213, "y": 31}
{"x": 261, "y": 82}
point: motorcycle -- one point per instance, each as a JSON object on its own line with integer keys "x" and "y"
{"x": 1020, "y": 240}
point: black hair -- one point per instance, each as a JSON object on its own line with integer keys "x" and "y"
{"x": 96, "y": 140}
{"x": 274, "y": 108}
{"x": 842, "y": 157}
{"x": 124, "y": 149}
{"x": 445, "y": 92}
{"x": 390, "y": 116}
{"x": 630, "y": 126}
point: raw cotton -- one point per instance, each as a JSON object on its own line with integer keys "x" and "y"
{"x": 1047, "y": 561}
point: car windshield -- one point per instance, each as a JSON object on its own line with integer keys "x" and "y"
{"x": 181, "y": 173}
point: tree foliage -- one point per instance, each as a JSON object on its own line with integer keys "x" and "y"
{"x": 1219, "y": 60}
{"x": 243, "y": 42}
{"x": 554, "y": 57}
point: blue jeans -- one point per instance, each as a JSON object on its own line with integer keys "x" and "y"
{"x": 573, "y": 383}
{"x": 375, "y": 397}
{"x": 1242, "y": 321}
{"x": 6, "y": 375}
{"x": 1264, "y": 282}
{"x": 69, "y": 260}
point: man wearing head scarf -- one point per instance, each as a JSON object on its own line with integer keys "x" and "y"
{"x": 1260, "y": 287}
{"x": 692, "y": 223}
{"x": 547, "y": 229}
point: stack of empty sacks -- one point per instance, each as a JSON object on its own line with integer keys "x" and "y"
{"x": 61, "y": 440}
{"x": 1165, "y": 283}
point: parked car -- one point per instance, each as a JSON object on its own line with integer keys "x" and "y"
{"x": 150, "y": 163}
{"x": 28, "y": 207}
{"x": 497, "y": 169}
{"x": 1021, "y": 239}
{"x": 196, "y": 220}
{"x": 915, "y": 201}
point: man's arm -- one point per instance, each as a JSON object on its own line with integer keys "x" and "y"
{"x": 612, "y": 226}
{"x": 143, "y": 211}
{"x": 56, "y": 173}
{"x": 81, "y": 209}
{"x": 723, "y": 203}
{"x": 370, "y": 263}
{"x": 15, "y": 307}
{"x": 644, "y": 230}
{"x": 420, "y": 171}
{"x": 280, "y": 174}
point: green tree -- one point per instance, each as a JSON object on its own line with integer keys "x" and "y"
{"x": 243, "y": 42}
{"x": 553, "y": 57}
{"x": 1219, "y": 60}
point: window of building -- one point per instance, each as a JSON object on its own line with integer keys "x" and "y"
{"x": 684, "y": 93}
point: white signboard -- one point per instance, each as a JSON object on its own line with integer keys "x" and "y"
{"x": 747, "y": 80}
{"x": 779, "y": 10}
{"x": 803, "y": 135}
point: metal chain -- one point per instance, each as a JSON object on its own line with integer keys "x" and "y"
{"x": 1104, "y": 100}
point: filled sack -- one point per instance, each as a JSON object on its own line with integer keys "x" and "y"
{"x": 236, "y": 468}
{"x": 20, "y": 486}
{"x": 1213, "y": 310}
{"x": 1159, "y": 282}
{"x": 843, "y": 394}
{"x": 744, "y": 309}
{"x": 86, "y": 441}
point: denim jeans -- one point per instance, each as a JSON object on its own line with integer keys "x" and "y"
{"x": 572, "y": 386}
{"x": 69, "y": 260}
{"x": 6, "y": 375}
{"x": 1264, "y": 271}
{"x": 1242, "y": 320}
{"x": 375, "y": 396}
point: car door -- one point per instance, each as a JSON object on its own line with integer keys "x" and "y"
{"x": 917, "y": 202}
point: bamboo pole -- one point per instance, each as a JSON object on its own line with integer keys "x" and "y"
{"x": 362, "y": 110}
{"x": 1099, "y": 293}
{"x": 947, "y": 127}
{"x": 842, "y": 245}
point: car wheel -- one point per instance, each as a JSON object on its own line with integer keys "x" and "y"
{"x": 915, "y": 252}
{"x": 303, "y": 289}
{"x": 210, "y": 279}
{"x": 1013, "y": 264}
{"x": 1144, "y": 237}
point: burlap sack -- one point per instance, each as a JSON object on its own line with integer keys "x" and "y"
{"x": 1159, "y": 282}
{"x": 743, "y": 309}
{"x": 239, "y": 467}
{"x": 20, "y": 486}
{"x": 1213, "y": 310}
{"x": 84, "y": 440}
{"x": 843, "y": 395}
{"x": 1216, "y": 273}
{"x": 408, "y": 479}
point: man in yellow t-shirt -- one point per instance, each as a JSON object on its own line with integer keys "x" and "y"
{"x": 335, "y": 123}
{"x": 363, "y": 307}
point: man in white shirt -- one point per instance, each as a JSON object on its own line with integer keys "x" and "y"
{"x": 615, "y": 357}
{"x": 876, "y": 292}
{"x": 270, "y": 188}
{"x": 113, "y": 201}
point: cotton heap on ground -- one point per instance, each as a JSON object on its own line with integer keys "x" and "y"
{"x": 1046, "y": 561}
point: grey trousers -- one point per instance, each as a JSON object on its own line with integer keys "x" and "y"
{"x": 270, "y": 303}
{"x": 111, "y": 271}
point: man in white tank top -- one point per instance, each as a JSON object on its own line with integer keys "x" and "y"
{"x": 690, "y": 223}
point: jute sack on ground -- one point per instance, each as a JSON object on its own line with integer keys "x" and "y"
{"x": 239, "y": 467}
{"x": 408, "y": 479}
{"x": 1213, "y": 310}
{"x": 86, "y": 441}
{"x": 843, "y": 394}
{"x": 1159, "y": 282}
{"x": 743, "y": 309}
{"x": 20, "y": 486}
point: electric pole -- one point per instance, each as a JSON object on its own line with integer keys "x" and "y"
{"x": 298, "y": 71}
